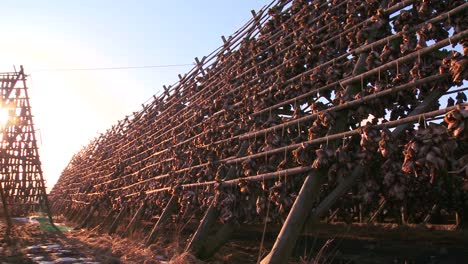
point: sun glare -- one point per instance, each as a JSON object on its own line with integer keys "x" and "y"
{"x": 4, "y": 117}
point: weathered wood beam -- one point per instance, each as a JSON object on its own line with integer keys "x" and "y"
{"x": 433, "y": 211}
{"x": 167, "y": 212}
{"x": 117, "y": 220}
{"x": 359, "y": 169}
{"x": 215, "y": 242}
{"x": 200, "y": 237}
{"x": 107, "y": 220}
{"x": 206, "y": 224}
{"x": 5, "y": 212}
{"x": 88, "y": 217}
{"x": 374, "y": 215}
{"x": 66, "y": 211}
{"x": 200, "y": 65}
{"x": 134, "y": 222}
{"x": 295, "y": 221}
{"x": 75, "y": 215}
{"x": 310, "y": 190}
{"x": 81, "y": 215}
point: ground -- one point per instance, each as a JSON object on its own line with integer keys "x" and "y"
{"x": 37, "y": 242}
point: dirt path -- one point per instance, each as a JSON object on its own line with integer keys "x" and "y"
{"x": 30, "y": 242}
{"x": 35, "y": 242}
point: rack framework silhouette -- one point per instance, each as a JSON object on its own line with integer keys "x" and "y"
{"x": 22, "y": 186}
{"x": 312, "y": 111}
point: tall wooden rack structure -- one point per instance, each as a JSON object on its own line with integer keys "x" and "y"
{"x": 277, "y": 118}
{"x": 22, "y": 184}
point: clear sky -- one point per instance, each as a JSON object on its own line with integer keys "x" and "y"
{"x": 71, "y": 107}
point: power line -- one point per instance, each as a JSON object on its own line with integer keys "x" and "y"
{"x": 115, "y": 68}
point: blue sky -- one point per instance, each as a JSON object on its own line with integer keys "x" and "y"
{"x": 72, "y": 107}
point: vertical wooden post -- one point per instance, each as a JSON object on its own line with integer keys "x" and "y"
{"x": 360, "y": 212}
{"x": 117, "y": 220}
{"x": 5, "y": 212}
{"x": 72, "y": 213}
{"x": 166, "y": 213}
{"x": 59, "y": 208}
{"x": 224, "y": 40}
{"x": 403, "y": 215}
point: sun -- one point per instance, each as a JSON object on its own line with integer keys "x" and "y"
{"x": 4, "y": 117}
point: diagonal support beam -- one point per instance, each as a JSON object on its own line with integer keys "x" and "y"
{"x": 349, "y": 181}
{"x": 134, "y": 222}
{"x": 295, "y": 221}
{"x": 212, "y": 213}
{"x": 310, "y": 190}
{"x": 303, "y": 205}
{"x": 107, "y": 220}
{"x": 117, "y": 220}
{"x": 167, "y": 212}
{"x": 88, "y": 217}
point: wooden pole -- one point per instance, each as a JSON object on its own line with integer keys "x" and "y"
{"x": 66, "y": 211}
{"x": 215, "y": 242}
{"x": 330, "y": 219}
{"x": 42, "y": 187}
{"x": 88, "y": 217}
{"x": 403, "y": 215}
{"x": 206, "y": 224}
{"x": 117, "y": 220}
{"x": 81, "y": 215}
{"x": 5, "y": 212}
{"x": 294, "y": 223}
{"x": 209, "y": 219}
{"x": 304, "y": 202}
{"x": 429, "y": 215}
{"x": 134, "y": 222}
{"x": 359, "y": 169}
{"x": 200, "y": 65}
{"x": 170, "y": 208}
{"x": 382, "y": 204}
{"x": 106, "y": 221}
{"x": 75, "y": 215}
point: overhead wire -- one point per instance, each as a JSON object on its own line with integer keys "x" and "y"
{"x": 115, "y": 68}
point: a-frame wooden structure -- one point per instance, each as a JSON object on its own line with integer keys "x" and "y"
{"x": 22, "y": 186}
